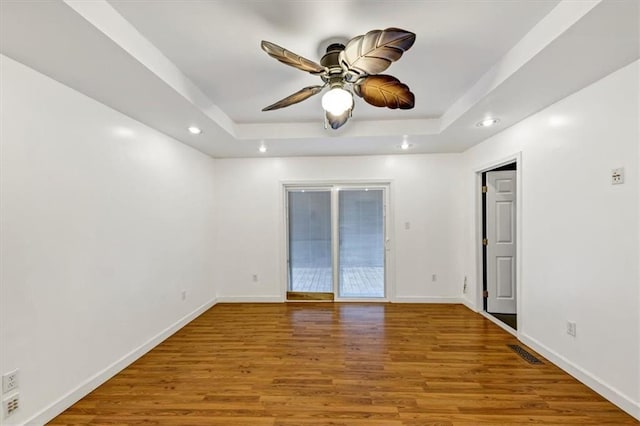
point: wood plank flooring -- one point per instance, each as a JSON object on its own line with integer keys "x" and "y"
{"x": 341, "y": 364}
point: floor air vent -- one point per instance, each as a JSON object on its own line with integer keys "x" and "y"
{"x": 525, "y": 355}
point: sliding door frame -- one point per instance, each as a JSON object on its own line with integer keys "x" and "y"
{"x": 335, "y": 186}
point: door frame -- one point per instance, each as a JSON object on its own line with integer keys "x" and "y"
{"x": 477, "y": 189}
{"x": 334, "y": 186}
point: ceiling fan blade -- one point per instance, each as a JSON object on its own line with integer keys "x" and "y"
{"x": 299, "y": 96}
{"x": 337, "y": 121}
{"x": 385, "y": 91}
{"x": 373, "y": 52}
{"x": 287, "y": 57}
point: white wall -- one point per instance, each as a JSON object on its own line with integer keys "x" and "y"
{"x": 425, "y": 192}
{"x": 579, "y": 233}
{"x": 103, "y": 223}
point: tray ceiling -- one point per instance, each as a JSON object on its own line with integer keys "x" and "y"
{"x": 172, "y": 64}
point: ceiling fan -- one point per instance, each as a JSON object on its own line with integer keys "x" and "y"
{"x": 351, "y": 68}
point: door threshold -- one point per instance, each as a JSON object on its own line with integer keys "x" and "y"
{"x": 299, "y": 296}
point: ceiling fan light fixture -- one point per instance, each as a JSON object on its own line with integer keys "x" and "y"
{"x": 357, "y": 65}
{"x": 337, "y": 100}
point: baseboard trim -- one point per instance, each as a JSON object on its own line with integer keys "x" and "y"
{"x": 403, "y": 299}
{"x": 102, "y": 376}
{"x": 466, "y": 302}
{"x": 249, "y": 299}
{"x": 499, "y": 323}
{"x": 598, "y": 385}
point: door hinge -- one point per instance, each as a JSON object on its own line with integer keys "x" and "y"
{"x": 485, "y": 293}
{"x": 485, "y": 242}
{"x": 484, "y": 189}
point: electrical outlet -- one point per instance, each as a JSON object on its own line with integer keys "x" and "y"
{"x": 10, "y": 405}
{"x": 464, "y": 285}
{"x": 407, "y": 225}
{"x": 183, "y": 294}
{"x": 10, "y": 381}
{"x": 255, "y": 278}
{"x": 617, "y": 176}
{"x": 571, "y": 328}
{"x": 434, "y": 278}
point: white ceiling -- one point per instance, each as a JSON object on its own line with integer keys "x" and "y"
{"x": 216, "y": 45}
{"x": 171, "y": 64}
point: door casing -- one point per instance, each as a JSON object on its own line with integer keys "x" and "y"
{"x": 335, "y": 186}
{"x": 478, "y": 299}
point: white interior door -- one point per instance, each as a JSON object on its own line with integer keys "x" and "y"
{"x": 501, "y": 242}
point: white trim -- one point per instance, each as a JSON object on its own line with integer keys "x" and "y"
{"x": 517, "y": 158}
{"x": 361, "y": 300}
{"x": 333, "y": 185}
{"x": 335, "y": 240}
{"x": 251, "y": 299}
{"x": 466, "y": 302}
{"x": 390, "y": 252}
{"x": 66, "y": 401}
{"x": 499, "y": 323}
{"x": 304, "y": 184}
{"x": 487, "y": 167}
{"x": 283, "y": 231}
{"x": 595, "y": 383}
{"x": 435, "y": 299}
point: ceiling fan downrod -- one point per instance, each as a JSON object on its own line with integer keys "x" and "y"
{"x": 334, "y": 76}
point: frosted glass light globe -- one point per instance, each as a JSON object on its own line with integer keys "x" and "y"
{"x": 336, "y": 101}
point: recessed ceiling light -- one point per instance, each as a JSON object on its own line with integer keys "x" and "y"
{"x": 405, "y": 142}
{"x": 488, "y": 122}
{"x": 262, "y": 148}
{"x": 195, "y": 130}
{"x": 558, "y": 120}
{"x": 123, "y": 132}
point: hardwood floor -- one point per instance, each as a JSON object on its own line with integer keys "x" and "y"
{"x": 341, "y": 364}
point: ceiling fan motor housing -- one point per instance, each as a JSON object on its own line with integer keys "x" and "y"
{"x": 331, "y": 60}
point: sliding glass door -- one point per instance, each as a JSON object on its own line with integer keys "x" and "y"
{"x": 310, "y": 253}
{"x": 361, "y": 248}
{"x": 336, "y": 242}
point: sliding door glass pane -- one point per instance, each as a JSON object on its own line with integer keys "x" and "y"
{"x": 361, "y": 230}
{"x": 310, "y": 241}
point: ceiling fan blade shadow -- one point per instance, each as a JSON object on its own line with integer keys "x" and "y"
{"x": 376, "y": 50}
{"x": 337, "y": 121}
{"x": 299, "y": 96}
{"x": 292, "y": 59}
{"x": 385, "y": 91}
